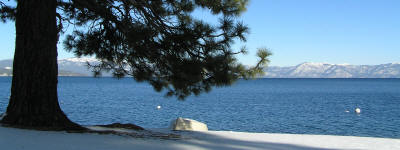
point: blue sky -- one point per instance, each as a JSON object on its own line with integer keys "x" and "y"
{"x": 296, "y": 31}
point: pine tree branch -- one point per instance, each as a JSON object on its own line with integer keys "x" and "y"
{"x": 60, "y": 25}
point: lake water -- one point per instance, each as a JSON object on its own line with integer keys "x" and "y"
{"x": 300, "y": 106}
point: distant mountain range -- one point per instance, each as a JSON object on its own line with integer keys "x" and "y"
{"x": 78, "y": 67}
{"x": 325, "y": 70}
{"x": 66, "y": 67}
{"x": 6, "y": 67}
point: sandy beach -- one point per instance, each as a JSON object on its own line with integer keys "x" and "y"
{"x": 21, "y": 139}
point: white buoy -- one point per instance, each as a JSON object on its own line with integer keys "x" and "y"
{"x": 158, "y": 107}
{"x": 358, "y": 110}
{"x": 347, "y": 111}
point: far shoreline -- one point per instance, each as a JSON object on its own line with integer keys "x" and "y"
{"x": 239, "y": 79}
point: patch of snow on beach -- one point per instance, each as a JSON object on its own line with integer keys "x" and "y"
{"x": 13, "y": 139}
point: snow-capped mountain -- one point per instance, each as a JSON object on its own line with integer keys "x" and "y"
{"x": 325, "y": 70}
{"x": 78, "y": 67}
{"x": 6, "y": 67}
{"x": 66, "y": 67}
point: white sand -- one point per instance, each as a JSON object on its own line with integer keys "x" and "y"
{"x": 19, "y": 139}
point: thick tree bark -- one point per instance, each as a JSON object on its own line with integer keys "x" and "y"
{"x": 34, "y": 102}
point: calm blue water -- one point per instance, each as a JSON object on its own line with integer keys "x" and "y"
{"x": 302, "y": 106}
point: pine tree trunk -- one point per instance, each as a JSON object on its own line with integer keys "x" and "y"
{"x": 34, "y": 102}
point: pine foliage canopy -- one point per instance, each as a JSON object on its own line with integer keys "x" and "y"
{"x": 158, "y": 41}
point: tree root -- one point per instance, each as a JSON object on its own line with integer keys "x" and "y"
{"x": 111, "y": 129}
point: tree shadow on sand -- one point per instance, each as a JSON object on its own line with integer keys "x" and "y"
{"x": 203, "y": 140}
